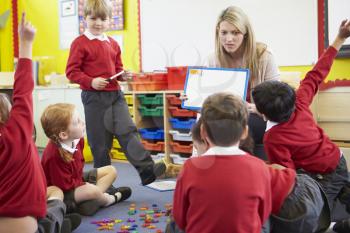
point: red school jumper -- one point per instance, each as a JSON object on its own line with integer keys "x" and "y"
{"x": 228, "y": 194}
{"x": 66, "y": 176}
{"x": 90, "y": 59}
{"x": 22, "y": 181}
{"x": 300, "y": 142}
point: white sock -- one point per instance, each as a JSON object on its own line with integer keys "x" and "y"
{"x": 110, "y": 199}
{"x": 118, "y": 196}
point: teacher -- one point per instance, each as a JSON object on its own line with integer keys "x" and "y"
{"x": 236, "y": 47}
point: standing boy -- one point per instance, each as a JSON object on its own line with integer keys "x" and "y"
{"x": 93, "y": 58}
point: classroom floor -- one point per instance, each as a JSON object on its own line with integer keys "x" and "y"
{"x": 141, "y": 196}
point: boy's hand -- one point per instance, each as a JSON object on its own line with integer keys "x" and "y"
{"x": 26, "y": 30}
{"x": 126, "y": 76}
{"x": 343, "y": 34}
{"x": 99, "y": 83}
{"x": 344, "y": 29}
{"x": 26, "y": 36}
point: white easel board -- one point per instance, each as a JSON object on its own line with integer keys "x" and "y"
{"x": 203, "y": 82}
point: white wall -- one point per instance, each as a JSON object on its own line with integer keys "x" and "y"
{"x": 181, "y": 32}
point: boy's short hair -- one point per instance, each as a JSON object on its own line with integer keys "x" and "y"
{"x": 98, "y": 8}
{"x": 196, "y": 131}
{"x": 274, "y": 99}
{"x": 224, "y": 117}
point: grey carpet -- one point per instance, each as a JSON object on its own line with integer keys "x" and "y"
{"x": 127, "y": 176}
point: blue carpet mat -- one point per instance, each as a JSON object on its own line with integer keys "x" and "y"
{"x": 127, "y": 176}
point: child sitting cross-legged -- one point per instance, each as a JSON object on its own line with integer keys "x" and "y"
{"x": 63, "y": 163}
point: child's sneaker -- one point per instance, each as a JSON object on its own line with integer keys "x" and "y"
{"x": 151, "y": 173}
{"x": 122, "y": 193}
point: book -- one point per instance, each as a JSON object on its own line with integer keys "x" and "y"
{"x": 162, "y": 186}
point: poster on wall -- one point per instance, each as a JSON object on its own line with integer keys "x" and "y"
{"x": 117, "y": 21}
{"x": 68, "y": 22}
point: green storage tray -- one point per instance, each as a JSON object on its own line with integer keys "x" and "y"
{"x": 151, "y": 99}
{"x": 157, "y": 111}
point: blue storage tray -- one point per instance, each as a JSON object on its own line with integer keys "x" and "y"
{"x": 152, "y": 133}
{"x": 182, "y": 124}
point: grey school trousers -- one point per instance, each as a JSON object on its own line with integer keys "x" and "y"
{"x": 52, "y": 223}
{"x": 107, "y": 115}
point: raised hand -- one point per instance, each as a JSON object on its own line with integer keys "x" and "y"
{"x": 26, "y": 30}
{"x": 344, "y": 29}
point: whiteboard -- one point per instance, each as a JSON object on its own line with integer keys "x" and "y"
{"x": 338, "y": 10}
{"x": 182, "y": 32}
{"x": 203, "y": 82}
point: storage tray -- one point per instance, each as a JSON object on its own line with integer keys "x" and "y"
{"x": 179, "y": 148}
{"x": 158, "y": 146}
{"x": 182, "y": 124}
{"x": 174, "y": 100}
{"x": 157, "y": 111}
{"x": 178, "y": 136}
{"x": 179, "y": 112}
{"x": 152, "y": 133}
{"x": 151, "y": 99}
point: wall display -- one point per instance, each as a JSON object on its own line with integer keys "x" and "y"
{"x": 117, "y": 20}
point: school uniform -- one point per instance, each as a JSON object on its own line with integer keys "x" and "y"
{"x": 65, "y": 175}
{"x": 22, "y": 183}
{"x": 106, "y": 112}
{"x": 228, "y": 190}
{"x": 302, "y": 145}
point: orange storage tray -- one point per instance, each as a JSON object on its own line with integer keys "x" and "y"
{"x": 148, "y": 86}
{"x": 179, "y": 148}
{"x": 174, "y": 100}
{"x": 158, "y": 146}
{"x": 179, "y": 112}
{"x": 150, "y": 77}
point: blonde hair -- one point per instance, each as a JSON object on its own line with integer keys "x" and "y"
{"x": 56, "y": 119}
{"x": 4, "y": 108}
{"x": 98, "y": 8}
{"x": 252, "y": 50}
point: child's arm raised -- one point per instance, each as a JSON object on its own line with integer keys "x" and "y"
{"x": 309, "y": 86}
{"x": 21, "y": 115}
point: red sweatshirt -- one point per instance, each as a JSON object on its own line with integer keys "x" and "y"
{"x": 300, "y": 142}
{"x": 66, "y": 176}
{"x": 22, "y": 183}
{"x": 89, "y": 59}
{"x": 228, "y": 194}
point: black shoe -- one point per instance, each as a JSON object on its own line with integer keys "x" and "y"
{"x": 88, "y": 208}
{"x": 125, "y": 192}
{"x": 111, "y": 190}
{"x": 74, "y": 219}
{"x": 342, "y": 226}
{"x": 150, "y": 174}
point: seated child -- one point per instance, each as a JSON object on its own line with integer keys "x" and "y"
{"x": 63, "y": 163}
{"x": 22, "y": 181}
{"x": 56, "y": 219}
{"x": 227, "y": 188}
{"x": 293, "y": 138}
